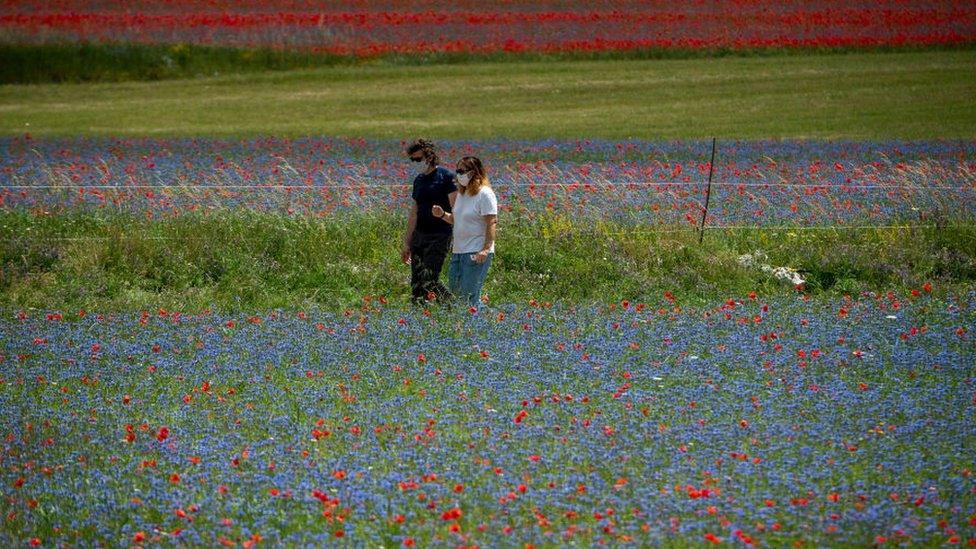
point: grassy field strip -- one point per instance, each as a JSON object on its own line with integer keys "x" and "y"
{"x": 240, "y": 260}
{"x": 857, "y": 96}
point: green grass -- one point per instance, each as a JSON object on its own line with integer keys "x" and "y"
{"x": 238, "y": 260}
{"x": 114, "y": 62}
{"x": 913, "y": 95}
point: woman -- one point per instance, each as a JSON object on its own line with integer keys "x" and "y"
{"x": 428, "y": 240}
{"x": 474, "y": 216}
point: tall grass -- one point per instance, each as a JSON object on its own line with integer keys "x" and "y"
{"x": 239, "y": 260}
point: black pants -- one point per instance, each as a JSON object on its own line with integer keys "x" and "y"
{"x": 428, "y": 251}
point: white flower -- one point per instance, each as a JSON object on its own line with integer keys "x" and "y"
{"x": 758, "y": 259}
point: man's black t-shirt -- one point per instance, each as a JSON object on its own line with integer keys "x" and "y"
{"x": 430, "y": 189}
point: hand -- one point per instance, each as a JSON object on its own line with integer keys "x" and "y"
{"x": 480, "y": 257}
{"x": 437, "y": 211}
{"x": 405, "y": 254}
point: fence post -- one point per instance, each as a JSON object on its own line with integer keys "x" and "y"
{"x": 708, "y": 194}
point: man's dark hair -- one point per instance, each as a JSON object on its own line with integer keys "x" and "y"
{"x": 428, "y": 148}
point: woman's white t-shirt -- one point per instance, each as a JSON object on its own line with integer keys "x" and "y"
{"x": 469, "y": 220}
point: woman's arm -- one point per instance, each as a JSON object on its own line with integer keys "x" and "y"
{"x": 439, "y": 213}
{"x": 490, "y": 222}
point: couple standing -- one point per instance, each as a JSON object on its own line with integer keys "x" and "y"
{"x": 446, "y": 204}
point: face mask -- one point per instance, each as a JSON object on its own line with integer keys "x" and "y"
{"x": 463, "y": 179}
{"x": 423, "y": 169}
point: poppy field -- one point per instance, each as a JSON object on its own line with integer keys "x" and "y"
{"x": 366, "y": 29}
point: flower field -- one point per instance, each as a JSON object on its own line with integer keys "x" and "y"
{"x": 638, "y": 183}
{"x": 371, "y": 28}
{"x": 756, "y": 422}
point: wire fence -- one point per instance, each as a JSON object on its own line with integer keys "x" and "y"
{"x": 574, "y": 185}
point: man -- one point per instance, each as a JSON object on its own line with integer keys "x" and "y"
{"x": 428, "y": 239}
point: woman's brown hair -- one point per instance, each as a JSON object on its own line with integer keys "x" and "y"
{"x": 479, "y": 178}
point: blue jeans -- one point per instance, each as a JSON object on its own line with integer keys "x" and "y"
{"x": 465, "y": 278}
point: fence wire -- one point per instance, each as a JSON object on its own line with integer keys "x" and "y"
{"x": 573, "y": 186}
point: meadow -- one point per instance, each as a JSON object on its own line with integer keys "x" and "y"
{"x": 205, "y": 336}
{"x": 874, "y": 95}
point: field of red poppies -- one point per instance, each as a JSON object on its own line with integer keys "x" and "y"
{"x": 369, "y": 28}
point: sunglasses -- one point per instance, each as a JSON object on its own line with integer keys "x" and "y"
{"x": 416, "y": 158}
{"x": 462, "y": 172}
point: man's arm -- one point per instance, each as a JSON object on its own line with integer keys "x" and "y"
{"x": 408, "y": 237}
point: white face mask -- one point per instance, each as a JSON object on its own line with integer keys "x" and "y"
{"x": 424, "y": 166}
{"x": 464, "y": 179}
